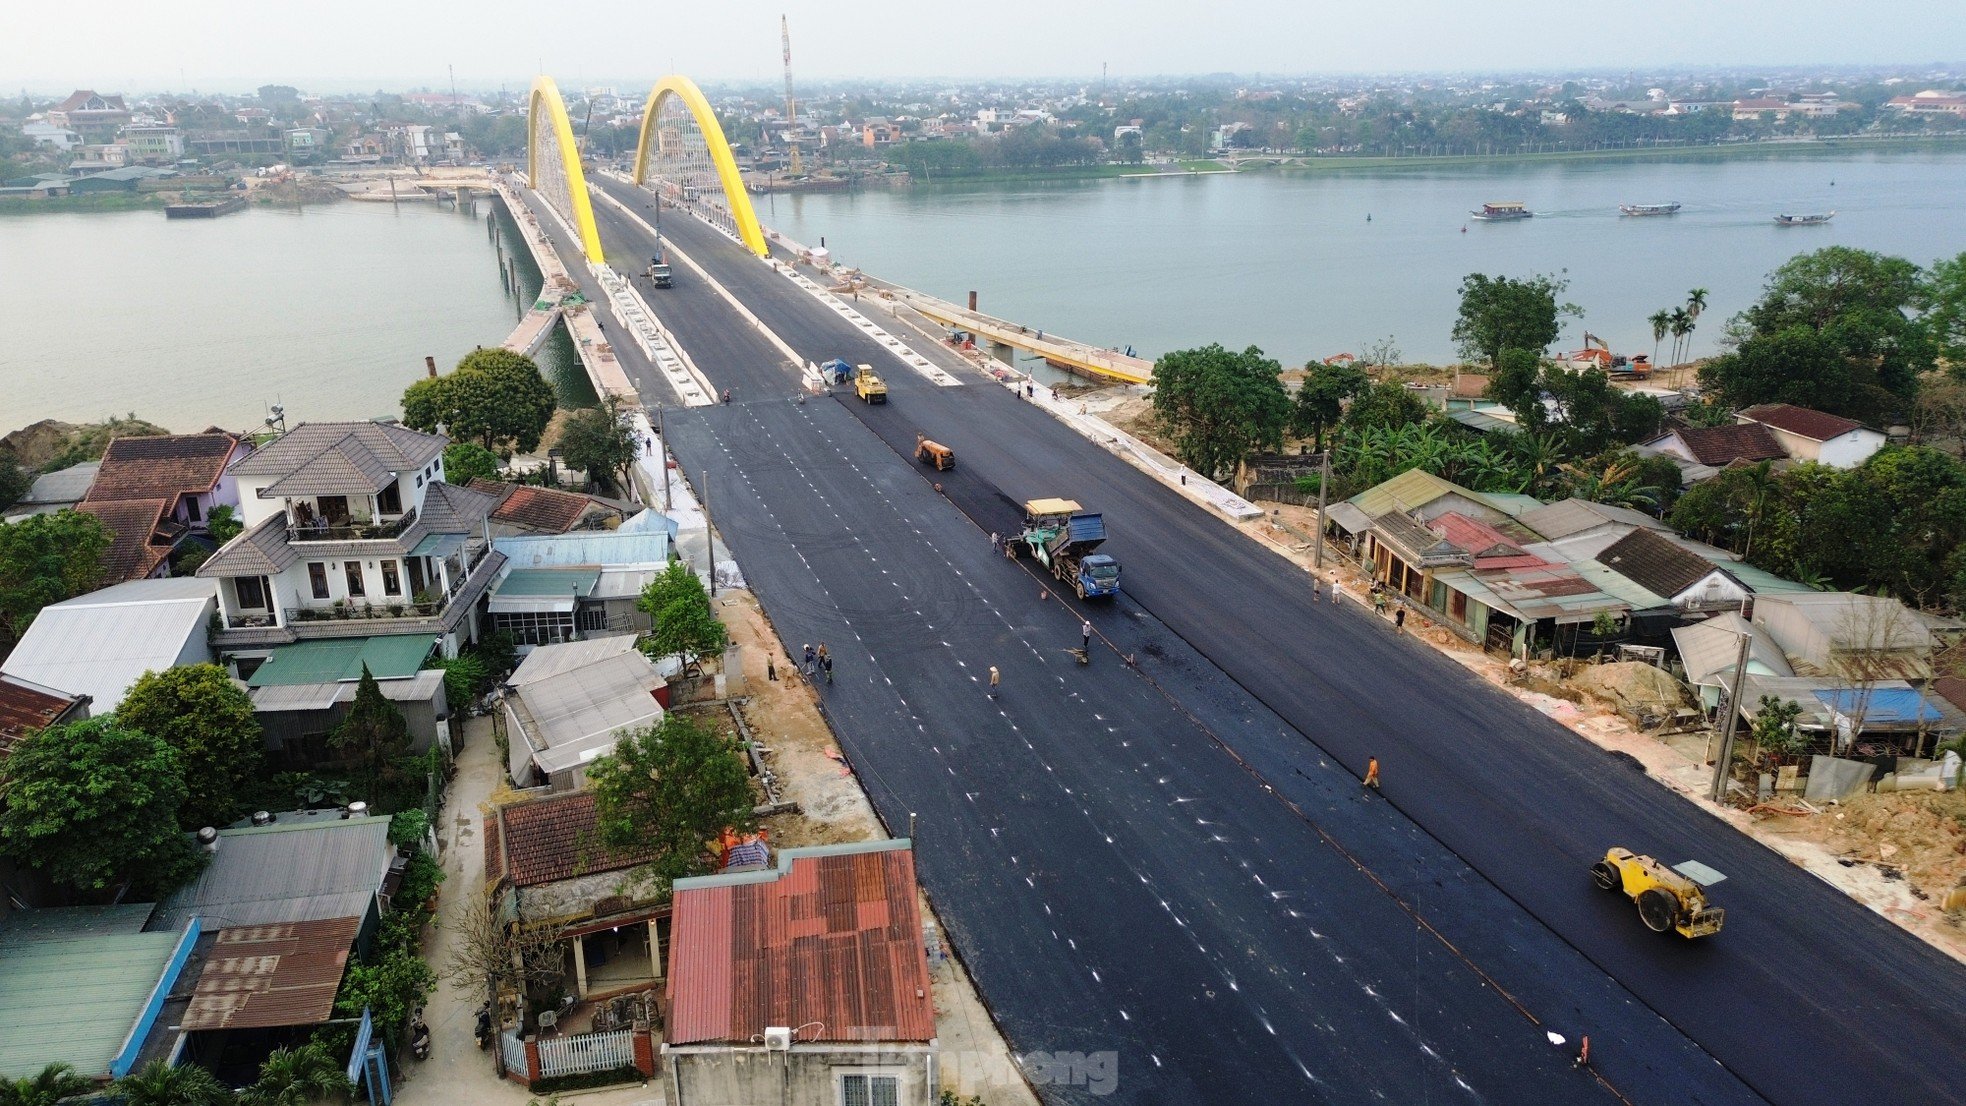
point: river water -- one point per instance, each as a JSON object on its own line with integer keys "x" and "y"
{"x": 328, "y": 310}
{"x": 1288, "y": 261}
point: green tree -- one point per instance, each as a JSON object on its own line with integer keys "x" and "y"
{"x": 1661, "y": 322}
{"x": 94, "y": 803}
{"x": 159, "y": 1084}
{"x": 1499, "y": 313}
{"x": 15, "y": 480}
{"x": 600, "y": 442}
{"x": 45, "y": 559}
{"x": 222, "y": 522}
{"x": 1219, "y": 406}
{"x": 666, "y": 790}
{"x": 495, "y": 396}
{"x": 46, "y": 1087}
{"x": 1775, "y": 734}
{"x": 467, "y": 461}
{"x": 1517, "y": 383}
{"x": 1321, "y": 398}
{"x": 1859, "y": 306}
{"x": 684, "y": 624}
{"x": 1797, "y": 365}
{"x": 1386, "y": 405}
{"x": 1943, "y": 299}
{"x": 299, "y": 1076}
{"x": 372, "y": 734}
{"x": 210, "y": 722}
{"x": 393, "y": 986}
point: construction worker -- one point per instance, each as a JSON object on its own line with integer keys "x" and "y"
{"x": 1371, "y": 773}
{"x": 995, "y": 679}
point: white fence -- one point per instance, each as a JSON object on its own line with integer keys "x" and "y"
{"x": 512, "y": 1049}
{"x": 587, "y": 1052}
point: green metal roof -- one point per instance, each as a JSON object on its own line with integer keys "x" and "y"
{"x": 1761, "y": 581}
{"x": 1411, "y": 490}
{"x": 392, "y": 657}
{"x": 438, "y": 545}
{"x": 72, "y": 984}
{"x": 549, "y": 581}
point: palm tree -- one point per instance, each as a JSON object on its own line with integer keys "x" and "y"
{"x": 1661, "y": 322}
{"x": 297, "y": 1077}
{"x": 1696, "y": 302}
{"x": 1681, "y": 327}
{"x": 54, "y": 1083}
{"x": 159, "y": 1084}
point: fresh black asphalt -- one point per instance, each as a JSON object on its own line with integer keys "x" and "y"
{"x": 1468, "y": 876}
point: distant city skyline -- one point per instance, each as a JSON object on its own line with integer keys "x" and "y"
{"x": 231, "y": 46}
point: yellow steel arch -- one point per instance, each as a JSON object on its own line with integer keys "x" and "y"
{"x": 546, "y": 95}
{"x": 685, "y": 89}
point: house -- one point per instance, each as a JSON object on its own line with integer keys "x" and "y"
{"x": 351, "y": 531}
{"x": 527, "y": 509}
{"x": 293, "y": 866}
{"x": 252, "y": 988}
{"x": 1817, "y": 436}
{"x": 1709, "y": 651}
{"x": 1753, "y": 108}
{"x": 1704, "y": 450}
{"x": 1930, "y": 102}
{"x": 1665, "y": 568}
{"x": 567, "y": 704}
{"x": 27, "y": 708}
{"x": 90, "y": 114}
{"x": 55, "y": 491}
{"x": 98, "y": 644}
{"x": 1422, "y": 495}
{"x": 153, "y": 493}
{"x": 1578, "y": 528}
{"x": 302, "y": 690}
{"x": 84, "y": 986}
{"x": 582, "y": 584}
{"x": 1848, "y": 636}
{"x": 127, "y": 179}
{"x": 154, "y": 145}
{"x": 804, "y": 983}
{"x": 50, "y": 134}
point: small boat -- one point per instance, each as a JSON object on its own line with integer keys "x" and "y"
{"x": 1502, "y": 212}
{"x": 1649, "y": 209}
{"x": 1804, "y": 220}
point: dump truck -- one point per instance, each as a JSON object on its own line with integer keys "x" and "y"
{"x": 869, "y": 387}
{"x": 659, "y": 274}
{"x": 934, "y": 454}
{"x": 1062, "y": 536}
{"x": 1669, "y": 898}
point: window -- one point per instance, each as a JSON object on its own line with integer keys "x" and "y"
{"x": 251, "y": 591}
{"x": 869, "y": 1089}
{"x": 389, "y": 501}
{"x": 191, "y": 508}
{"x": 317, "y": 578}
{"x": 392, "y": 580}
{"x": 353, "y": 570}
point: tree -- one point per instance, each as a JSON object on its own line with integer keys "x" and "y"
{"x": 491, "y": 956}
{"x": 1131, "y": 151}
{"x": 298, "y": 1076}
{"x": 1858, "y": 305}
{"x": 495, "y": 396}
{"x": 467, "y": 461}
{"x": 1661, "y": 322}
{"x": 210, "y": 722}
{"x": 600, "y": 442}
{"x": 684, "y": 624}
{"x": 46, "y": 1087}
{"x": 15, "y": 480}
{"x": 666, "y": 790}
{"x": 1943, "y": 299}
{"x": 93, "y": 804}
{"x": 1517, "y": 383}
{"x": 1797, "y": 366}
{"x": 372, "y": 734}
{"x": 1385, "y": 405}
{"x": 222, "y": 522}
{"x": 392, "y": 986}
{"x": 159, "y": 1084}
{"x": 1219, "y": 406}
{"x": 1775, "y": 734}
{"x": 1499, "y": 313}
{"x": 45, "y": 559}
{"x": 1321, "y": 398}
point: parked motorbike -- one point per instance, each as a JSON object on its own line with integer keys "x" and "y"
{"x": 484, "y": 1028}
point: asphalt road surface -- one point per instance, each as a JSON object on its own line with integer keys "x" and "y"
{"x": 1280, "y": 933}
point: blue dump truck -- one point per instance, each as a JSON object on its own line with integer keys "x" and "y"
{"x": 1062, "y": 536}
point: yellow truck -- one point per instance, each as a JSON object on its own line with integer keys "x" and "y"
{"x": 869, "y": 387}
{"x": 1669, "y": 898}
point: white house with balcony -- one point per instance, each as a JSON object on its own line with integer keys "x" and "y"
{"x": 351, "y": 531}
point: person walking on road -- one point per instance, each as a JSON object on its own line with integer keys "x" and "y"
{"x": 996, "y": 542}
{"x": 1371, "y": 773}
{"x": 827, "y": 664}
{"x": 822, "y": 654}
{"x": 806, "y": 661}
{"x": 1583, "y": 1053}
{"x": 1317, "y": 588}
{"x": 995, "y": 679}
{"x": 1085, "y": 634}
{"x": 1399, "y": 619}
{"x": 1335, "y": 590}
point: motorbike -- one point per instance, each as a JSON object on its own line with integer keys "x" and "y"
{"x": 484, "y": 1029}
{"x": 420, "y": 1040}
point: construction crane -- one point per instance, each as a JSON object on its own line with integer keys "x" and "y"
{"x": 791, "y": 105}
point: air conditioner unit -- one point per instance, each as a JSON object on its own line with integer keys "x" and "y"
{"x": 778, "y": 1037}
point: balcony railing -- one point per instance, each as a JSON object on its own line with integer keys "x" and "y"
{"x": 350, "y": 530}
{"x": 430, "y": 605}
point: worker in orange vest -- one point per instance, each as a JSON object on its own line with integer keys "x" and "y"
{"x": 1372, "y": 773}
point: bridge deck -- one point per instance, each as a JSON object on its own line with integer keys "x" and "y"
{"x": 1064, "y": 352}
{"x": 603, "y": 369}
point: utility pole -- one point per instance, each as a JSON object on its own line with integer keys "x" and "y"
{"x": 709, "y": 533}
{"x": 1718, "y": 793}
{"x": 1323, "y": 482}
{"x": 662, "y": 459}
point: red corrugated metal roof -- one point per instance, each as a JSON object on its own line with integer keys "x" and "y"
{"x": 266, "y": 976}
{"x": 1491, "y": 547}
{"x": 832, "y": 946}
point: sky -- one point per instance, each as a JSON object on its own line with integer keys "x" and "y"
{"x": 137, "y": 46}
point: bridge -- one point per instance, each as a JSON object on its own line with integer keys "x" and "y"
{"x": 1166, "y": 857}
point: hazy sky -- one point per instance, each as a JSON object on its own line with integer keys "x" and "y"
{"x": 235, "y": 45}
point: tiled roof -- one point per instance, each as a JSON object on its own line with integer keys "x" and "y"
{"x": 399, "y": 448}
{"x": 450, "y": 509}
{"x": 542, "y": 510}
{"x": 260, "y": 551}
{"x": 1819, "y": 426}
{"x": 551, "y": 839}
{"x": 348, "y": 467}
{"x": 26, "y": 707}
{"x": 267, "y": 976}
{"x": 166, "y": 466}
{"x": 1721, "y": 445}
{"x": 829, "y": 942}
{"x": 1655, "y": 563}
{"x": 138, "y": 534}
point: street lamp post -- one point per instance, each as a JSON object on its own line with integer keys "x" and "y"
{"x": 1718, "y": 792}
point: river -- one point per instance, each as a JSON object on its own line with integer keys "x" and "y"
{"x": 327, "y": 309}
{"x": 1288, "y": 261}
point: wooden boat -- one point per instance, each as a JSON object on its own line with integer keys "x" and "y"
{"x": 1804, "y": 220}
{"x": 1649, "y": 209}
{"x": 1502, "y": 212}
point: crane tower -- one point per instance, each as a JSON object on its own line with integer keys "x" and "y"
{"x": 791, "y": 104}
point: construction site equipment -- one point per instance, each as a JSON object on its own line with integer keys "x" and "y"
{"x": 1669, "y": 898}
{"x": 1061, "y": 535}
{"x": 796, "y": 166}
{"x": 934, "y": 454}
{"x": 1597, "y": 355}
{"x": 869, "y": 387}
{"x": 658, "y": 273}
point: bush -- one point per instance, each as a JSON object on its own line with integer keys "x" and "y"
{"x": 606, "y": 1078}
{"x": 408, "y": 827}
{"x": 420, "y": 880}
